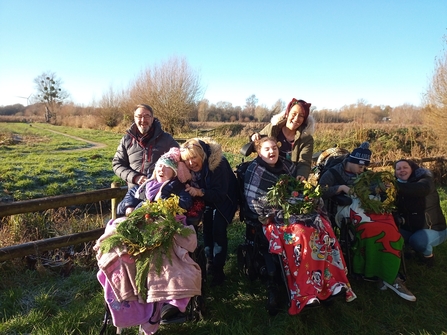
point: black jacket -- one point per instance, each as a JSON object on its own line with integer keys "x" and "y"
{"x": 418, "y": 202}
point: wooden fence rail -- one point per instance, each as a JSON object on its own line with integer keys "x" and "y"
{"x": 35, "y": 205}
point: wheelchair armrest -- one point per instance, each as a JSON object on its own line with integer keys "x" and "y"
{"x": 342, "y": 200}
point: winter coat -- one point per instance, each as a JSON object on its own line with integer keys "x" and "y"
{"x": 168, "y": 188}
{"x": 418, "y": 202}
{"x": 303, "y": 145}
{"x": 136, "y": 155}
{"x": 330, "y": 181}
{"x": 258, "y": 178}
{"x": 218, "y": 180}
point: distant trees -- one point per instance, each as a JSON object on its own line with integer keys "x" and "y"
{"x": 435, "y": 99}
{"x": 50, "y": 93}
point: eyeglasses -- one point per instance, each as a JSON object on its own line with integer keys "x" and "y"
{"x": 144, "y": 116}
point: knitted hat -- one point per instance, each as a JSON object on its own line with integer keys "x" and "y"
{"x": 305, "y": 105}
{"x": 170, "y": 159}
{"x": 361, "y": 155}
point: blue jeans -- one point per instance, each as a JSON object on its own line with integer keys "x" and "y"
{"x": 424, "y": 240}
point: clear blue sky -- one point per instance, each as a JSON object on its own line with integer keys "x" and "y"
{"x": 330, "y": 53}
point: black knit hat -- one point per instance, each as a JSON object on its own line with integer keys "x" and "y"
{"x": 361, "y": 155}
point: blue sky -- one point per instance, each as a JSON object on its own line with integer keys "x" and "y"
{"x": 330, "y": 53}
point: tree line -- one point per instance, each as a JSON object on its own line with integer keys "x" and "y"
{"x": 175, "y": 92}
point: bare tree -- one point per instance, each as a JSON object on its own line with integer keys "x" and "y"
{"x": 250, "y": 104}
{"x": 173, "y": 89}
{"x": 110, "y": 107}
{"x": 202, "y": 114}
{"x": 435, "y": 99}
{"x": 50, "y": 93}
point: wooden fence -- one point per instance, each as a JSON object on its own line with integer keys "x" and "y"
{"x": 35, "y": 205}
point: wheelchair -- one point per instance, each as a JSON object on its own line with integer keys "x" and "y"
{"x": 195, "y": 308}
{"x": 253, "y": 258}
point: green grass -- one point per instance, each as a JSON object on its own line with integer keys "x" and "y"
{"x": 43, "y": 302}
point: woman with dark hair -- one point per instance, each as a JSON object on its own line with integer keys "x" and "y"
{"x": 214, "y": 182}
{"x": 293, "y": 128}
{"x": 424, "y": 225}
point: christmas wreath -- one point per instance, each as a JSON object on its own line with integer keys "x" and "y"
{"x": 148, "y": 236}
{"x": 376, "y": 191}
{"x": 293, "y": 196}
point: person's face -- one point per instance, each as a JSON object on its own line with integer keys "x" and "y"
{"x": 356, "y": 168}
{"x": 163, "y": 173}
{"x": 269, "y": 152}
{"x": 194, "y": 163}
{"x": 295, "y": 118}
{"x": 403, "y": 170}
{"x": 143, "y": 119}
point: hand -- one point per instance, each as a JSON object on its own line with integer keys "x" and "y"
{"x": 343, "y": 188}
{"x": 300, "y": 178}
{"x": 255, "y": 137}
{"x": 194, "y": 192}
{"x": 141, "y": 180}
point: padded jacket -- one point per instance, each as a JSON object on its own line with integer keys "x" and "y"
{"x": 303, "y": 146}
{"x": 219, "y": 181}
{"x": 136, "y": 155}
{"x": 418, "y": 202}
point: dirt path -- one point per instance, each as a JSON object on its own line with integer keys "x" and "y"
{"x": 95, "y": 145}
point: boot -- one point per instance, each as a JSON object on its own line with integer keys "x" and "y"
{"x": 272, "y": 296}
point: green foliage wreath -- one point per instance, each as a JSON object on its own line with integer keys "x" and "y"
{"x": 376, "y": 191}
{"x": 294, "y": 197}
{"x": 148, "y": 236}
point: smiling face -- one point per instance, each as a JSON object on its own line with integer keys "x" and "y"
{"x": 403, "y": 170}
{"x": 163, "y": 173}
{"x": 295, "y": 118}
{"x": 143, "y": 119}
{"x": 269, "y": 152}
{"x": 193, "y": 155}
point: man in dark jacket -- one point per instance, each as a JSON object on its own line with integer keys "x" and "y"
{"x": 138, "y": 151}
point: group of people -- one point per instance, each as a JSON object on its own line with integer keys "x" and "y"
{"x": 155, "y": 166}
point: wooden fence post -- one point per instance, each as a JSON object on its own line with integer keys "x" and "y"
{"x": 114, "y": 200}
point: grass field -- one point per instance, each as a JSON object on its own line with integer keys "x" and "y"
{"x": 41, "y": 301}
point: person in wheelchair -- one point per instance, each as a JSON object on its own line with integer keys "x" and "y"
{"x": 377, "y": 255}
{"x": 310, "y": 254}
{"x": 424, "y": 224}
{"x": 117, "y": 271}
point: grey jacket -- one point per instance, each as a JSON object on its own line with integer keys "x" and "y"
{"x": 136, "y": 155}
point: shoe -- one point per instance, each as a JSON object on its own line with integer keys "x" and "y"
{"x": 429, "y": 261}
{"x": 168, "y": 311}
{"x": 381, "y": 285}
{"x": 209, "y": 267}
{"x": 218, "y": 278}
{"x": 399, "y": 287}
{"x": 312, "y": 303}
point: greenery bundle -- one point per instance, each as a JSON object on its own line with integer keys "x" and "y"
{"x": 376, "y": 191}
{"x": 293, "y": 196}
{"x": 148, "y": 236}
